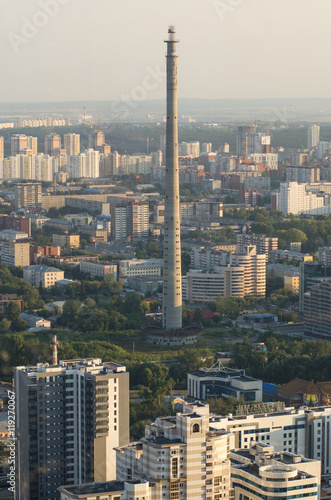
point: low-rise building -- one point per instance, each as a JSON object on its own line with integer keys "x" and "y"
{"x": 110, "y": 490}
{"x": 42, "y": 275}
{"x": 8, "y": 298}
{"x": 139, "y": 267}
{"x": 299, "y": 392}
{"x": 218, "y": 382}
{"x": 287, "y": 256}
{"x": 66, "y": 240}
{"x": 38, "y": 253}
{"x": 35, "y": 322}
{"x": 101, "y": 269}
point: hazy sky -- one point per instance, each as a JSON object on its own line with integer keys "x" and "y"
{"x": 104, "y": 49}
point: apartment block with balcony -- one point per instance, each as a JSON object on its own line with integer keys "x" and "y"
{"x": 69, "y": 418}
{"x": 181, "y": 457}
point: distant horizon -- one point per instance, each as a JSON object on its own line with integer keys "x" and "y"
{"x": 161, "y": 99}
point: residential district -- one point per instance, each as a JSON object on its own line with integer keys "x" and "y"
{"x": 199, "y": 268}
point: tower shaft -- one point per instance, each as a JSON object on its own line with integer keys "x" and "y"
{"x": 172, "y": 286}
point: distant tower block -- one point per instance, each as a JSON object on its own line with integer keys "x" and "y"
{"x": 172, "y": 286}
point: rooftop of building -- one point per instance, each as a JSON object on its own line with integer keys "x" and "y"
{"x": 300, "y": 386}
{"x": 94, "y": 488}
{"x": 263, "y": 455}
{"x": 76, "y": 364}
{"x": 161, "y": 440}
{"x": 43, "y": 269}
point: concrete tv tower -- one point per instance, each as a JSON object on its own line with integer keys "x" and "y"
{"x": 172, "y": 276}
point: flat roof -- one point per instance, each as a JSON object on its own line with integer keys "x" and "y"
{"x": 94, "y": 488}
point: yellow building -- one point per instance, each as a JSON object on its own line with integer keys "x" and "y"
{"x": 292, "y": 283}
{"x": 66, "y": 240}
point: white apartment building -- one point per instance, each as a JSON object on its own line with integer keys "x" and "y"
{"x": 85, "y": 164}
{"x": 42, "y": 275}
{"x": 234, "y": 275}
{"x": 71, "y": 143}
{"x": 268, "y": 159}
{"x": 181, "y": 457}
{"x": 189, "y": 149}
{"x": 313, "y": 136}
{"x": 294, "y": 199}
{"x": 69, "y": 418}
{"x": 262, "y": 473}
{"x": 204, "y": 287}
{"x": 98, "y": 269}
{"x": 304, "y": 431}
{"x": 139, "y": 267}
{"x": 45, "y": 167}
{"x": 323, "y": 148}
{"x": 224, "y": 382}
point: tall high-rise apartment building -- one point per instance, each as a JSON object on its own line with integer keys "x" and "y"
{"x": 310, "y": 274}
{"x": 85, "y": 164}
{"x": 69, "y": 418}
{"x": 243, "y": 139}
{"x": 313, "y": 136}
{"x": 189, "y": 149}
{"x": 317, "y": 309}
{"x": 96, "y": 138}
{"x": 28, "y": 195}
{"x": 264, "y": 244}
{"x": 129, "y": 219}
{"x": 182, "y": 457}
{"x": 259, "y": 143}
{"x": 2, "y": 143}
{"x": 52, "y": 144}
{"x": 71, "y": 143}
{"x": 172, "y": 279}
{"x": 20, "y": 144}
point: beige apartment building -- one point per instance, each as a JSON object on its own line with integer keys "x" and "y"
{"x": 182, "y": 457}
{"x": 15, "y": 253}
{"x": 42, "y": 275}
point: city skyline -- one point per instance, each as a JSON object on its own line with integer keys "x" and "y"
{"x": 233, "y": 36}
